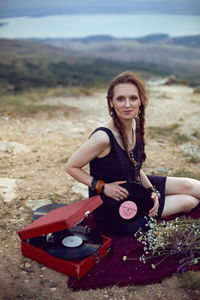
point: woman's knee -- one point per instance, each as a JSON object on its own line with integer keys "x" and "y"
{"x": 189, "y": 203}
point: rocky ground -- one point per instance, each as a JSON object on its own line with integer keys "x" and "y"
{"x": 33, "y": 153}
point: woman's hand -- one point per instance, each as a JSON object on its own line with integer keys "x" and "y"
{"x": 115, "y": 191}
{"x": 154, "y": 210}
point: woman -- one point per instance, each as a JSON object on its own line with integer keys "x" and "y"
{"x": 116, "y": 152}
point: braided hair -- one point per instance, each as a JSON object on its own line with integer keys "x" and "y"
{"x": 129, "y": 77}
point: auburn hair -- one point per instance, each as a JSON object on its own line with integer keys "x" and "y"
{"x": 129, "y": 77}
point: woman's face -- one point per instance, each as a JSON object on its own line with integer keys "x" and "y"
{"x": 126, "y": 100}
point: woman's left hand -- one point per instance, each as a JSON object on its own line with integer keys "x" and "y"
{"x": 154, "y": 210}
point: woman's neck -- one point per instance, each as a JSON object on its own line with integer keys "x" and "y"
{"x": 128, "y": 125}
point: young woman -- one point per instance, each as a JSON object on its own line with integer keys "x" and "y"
{"x": 116, "y": 152}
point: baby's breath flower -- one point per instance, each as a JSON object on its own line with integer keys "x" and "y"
{"x": 180, "y": 236}
{"x": 124, "y": 258}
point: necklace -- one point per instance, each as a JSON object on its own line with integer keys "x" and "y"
{"x": 131, "y": 152}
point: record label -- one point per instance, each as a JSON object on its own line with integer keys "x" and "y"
{"x": 72, "y": 241}
{"x": 128, "y": 210}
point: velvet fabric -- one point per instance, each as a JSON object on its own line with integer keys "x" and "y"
{"x": 112, "y": 270}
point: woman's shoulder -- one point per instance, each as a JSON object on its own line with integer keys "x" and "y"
{"x": 100, "y": 135}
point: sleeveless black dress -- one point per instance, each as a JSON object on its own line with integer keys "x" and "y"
{"x": 116, "y": 166}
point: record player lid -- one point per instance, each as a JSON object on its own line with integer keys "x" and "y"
{"x": 61, "y": 218}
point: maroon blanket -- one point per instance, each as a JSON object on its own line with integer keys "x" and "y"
{"x": 112, "y": 270}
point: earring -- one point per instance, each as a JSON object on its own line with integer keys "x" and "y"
{"x": 111, "y": 111}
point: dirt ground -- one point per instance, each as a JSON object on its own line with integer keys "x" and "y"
{"x": 38, "y": 174}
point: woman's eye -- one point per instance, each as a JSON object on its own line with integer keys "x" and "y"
{"x": 120, "y": 98}
{"x": 133, "y": 98}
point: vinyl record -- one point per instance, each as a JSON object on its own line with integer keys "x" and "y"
{"x": 75, "y": 243}
{"x": 45, "y": 209}
{"x": 140, "y": 197}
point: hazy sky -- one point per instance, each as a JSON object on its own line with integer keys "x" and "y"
{"x": 36, "y": 8}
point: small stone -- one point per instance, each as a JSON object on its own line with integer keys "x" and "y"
{"x": 23, "y": 273}
{"x": 7, "y": 189}
{"x": 26, "y": 281}
{"x": 53, "y": 289}
{"x": 27, "y": 265}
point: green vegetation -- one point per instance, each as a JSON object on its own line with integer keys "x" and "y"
{"x": 23, "y": 74}
{"x": 20, "y": 104}
{"x": 27, "y": 64}
{"x": 163, "y": 131}
{"x": 169, "y": 132}
{"x": 25, "y": 103}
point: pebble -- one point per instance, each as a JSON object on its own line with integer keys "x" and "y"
{"x": 23, "y": 273}
{"x": 27, "y": 265}
{"x": 7, "y": 189}
{"x": 53, "y": 289}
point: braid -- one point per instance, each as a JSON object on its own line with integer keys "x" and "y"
{"x": 142, "y": 129}
{"x": 122, "y": 132}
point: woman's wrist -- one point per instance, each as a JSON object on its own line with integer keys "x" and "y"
{"x": 93, "y": 184}
{"x": 154, "y": 190}
{"x": 97, "y": 185}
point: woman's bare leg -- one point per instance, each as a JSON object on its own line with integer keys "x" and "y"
{"x": 182, "y": 195}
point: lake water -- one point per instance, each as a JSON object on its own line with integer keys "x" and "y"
{"x": 68, "y": 26}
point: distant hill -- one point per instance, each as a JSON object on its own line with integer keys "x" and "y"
{"x": 187, "y": 41}
{"x": 95, "y": 60}
{"x": 192, "y": 41}
{"x": 178, "y": 55}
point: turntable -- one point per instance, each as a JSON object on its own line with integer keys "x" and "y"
{"x": 55, "y": 240}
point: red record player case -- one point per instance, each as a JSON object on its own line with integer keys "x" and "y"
{"x": 57, "y": 220}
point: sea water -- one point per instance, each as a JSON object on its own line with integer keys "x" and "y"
{"x": 71, "y": 26}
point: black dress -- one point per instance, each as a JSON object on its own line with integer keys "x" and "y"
{"x": 116, "y": 166}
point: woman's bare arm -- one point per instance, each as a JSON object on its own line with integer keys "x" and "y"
{"x": 92, "y": 148}
{"x": 97, "y": 144}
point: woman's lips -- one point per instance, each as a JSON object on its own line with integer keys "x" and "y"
{"x": 127, "y": 111}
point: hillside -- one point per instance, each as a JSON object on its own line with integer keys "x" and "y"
{"x": 93, "y": 61}
{"x": 178, "y": 55}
